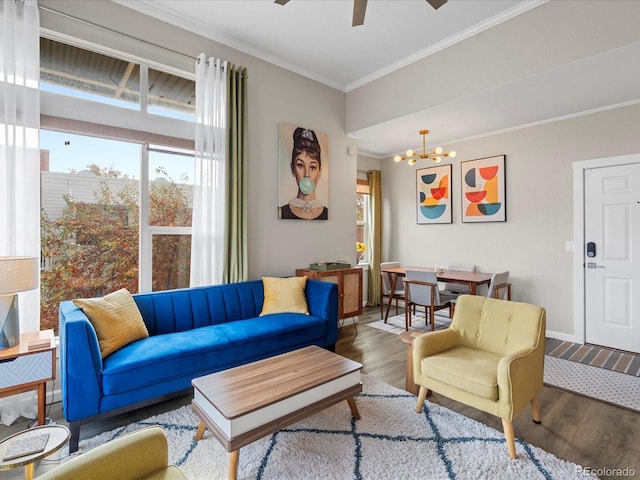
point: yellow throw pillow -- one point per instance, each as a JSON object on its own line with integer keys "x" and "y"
{"x": 284, "y": 295}
{"x": 116, "y": 319}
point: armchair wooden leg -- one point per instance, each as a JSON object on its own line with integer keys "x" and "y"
{"x": 509, "y": 437}
{"x": 422, "y": 394}
{"x": 535, "y": 406}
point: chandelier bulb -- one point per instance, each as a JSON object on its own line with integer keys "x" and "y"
{"x": 436, "y": 155}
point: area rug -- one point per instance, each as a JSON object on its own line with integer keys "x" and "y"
{"x": 615, "y": 388}
{"x": 396, "y": 324}
{"x": 390, "y": 441}
{"x": 605, "y": 385}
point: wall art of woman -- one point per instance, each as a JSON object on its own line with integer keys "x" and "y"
{"x": 304, "y": 200}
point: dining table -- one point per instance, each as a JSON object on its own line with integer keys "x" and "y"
{"x": 472, "y": 279}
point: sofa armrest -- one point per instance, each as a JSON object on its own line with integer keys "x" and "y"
{"x": 432, "y": 343}
{"x": 80, "y": 364}
{"x": 132, "y": 456}
{"x": 322, "y": 302}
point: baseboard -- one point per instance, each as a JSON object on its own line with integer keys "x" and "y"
{"x": 565, "y": 337}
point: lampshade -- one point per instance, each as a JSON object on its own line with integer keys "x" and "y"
{"x": 17, "y": 274}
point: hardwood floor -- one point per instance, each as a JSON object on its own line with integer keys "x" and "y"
{"x": 579, "y": 429}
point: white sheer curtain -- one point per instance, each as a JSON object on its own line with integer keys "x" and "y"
{"x": 207, "y": 233}
{"x": 20, "y": 160}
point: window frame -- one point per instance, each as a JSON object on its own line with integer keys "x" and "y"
{"x": 362, "y": 187}
{"x": 64, "y": 113}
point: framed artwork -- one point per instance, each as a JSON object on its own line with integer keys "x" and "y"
{"x": 433, "y": 195}
{"x": 303, "y": 192}
{"x": 483, "y": 190}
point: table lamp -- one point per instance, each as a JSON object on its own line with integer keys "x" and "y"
{"x": 17, "y": 274}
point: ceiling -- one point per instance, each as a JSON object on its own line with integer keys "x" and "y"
{"x": 315, "y": 38}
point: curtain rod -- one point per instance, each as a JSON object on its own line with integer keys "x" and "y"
{"x": 56, "y": 12}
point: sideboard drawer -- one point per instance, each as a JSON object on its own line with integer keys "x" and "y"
{"x": 26, "y": 369}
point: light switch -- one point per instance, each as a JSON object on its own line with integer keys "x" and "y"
{"x": 568, "y": 246}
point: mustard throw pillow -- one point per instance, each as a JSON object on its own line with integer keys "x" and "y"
{"x": 284, "y": 295}
{"x": 116, "y": 319}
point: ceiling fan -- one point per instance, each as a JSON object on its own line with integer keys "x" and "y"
{"x": 360, "y": 7}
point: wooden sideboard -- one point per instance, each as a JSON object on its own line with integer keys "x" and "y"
{"x": 349, "y": 282}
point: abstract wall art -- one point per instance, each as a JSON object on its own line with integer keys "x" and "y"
{"x": 433, "y": 195}
{"x": 483, "y": 190}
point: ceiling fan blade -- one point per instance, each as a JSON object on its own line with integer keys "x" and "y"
{"x": 359, "y": 9}
{"x": 280, "y": 2}
{"x": 435, "y": 3}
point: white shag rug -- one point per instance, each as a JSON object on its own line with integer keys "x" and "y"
{"x": 390, "y": 441}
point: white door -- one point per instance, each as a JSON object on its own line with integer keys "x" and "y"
{"x": 612, "y": 284}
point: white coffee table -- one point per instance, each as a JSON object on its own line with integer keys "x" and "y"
{"x": 249, "y": 402}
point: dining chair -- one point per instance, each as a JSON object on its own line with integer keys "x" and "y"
{"x": 421, "y": 288}
{"x": 385, "y": 288}
{"x": 499, "y": 288}
{"x": 453, "y": 290}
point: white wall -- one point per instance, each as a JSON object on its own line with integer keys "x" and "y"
{"x": 276, "y": 247}
{"x": 531, "y": 243}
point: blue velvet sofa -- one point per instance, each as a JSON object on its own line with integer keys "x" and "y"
{"x": 192, "y": 332}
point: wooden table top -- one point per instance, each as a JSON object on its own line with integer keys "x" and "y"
{"x": 246, "y": 388}
{"x": 446, "y": 275}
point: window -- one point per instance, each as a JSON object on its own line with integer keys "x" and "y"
{"x": 362, "y": 218}
{"x": 74, "y": 71}
{"x": 77, "y": 72}
{"x": 116, "y": 198}
{"x": 170, "y": 211}
{"x": 91, "y": 217}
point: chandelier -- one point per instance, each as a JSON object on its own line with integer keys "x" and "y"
{"x": 413, "y": 157}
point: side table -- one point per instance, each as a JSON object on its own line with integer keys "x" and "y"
{"x": 58, "y": 437}
{"x": 407, "y": 337}
{"x": 29, "y": 366}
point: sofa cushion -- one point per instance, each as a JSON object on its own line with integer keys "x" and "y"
{"x": 468, "y": 369}
{"x": 115, "y": 318}
{"x": 284, "y": 295}
{"x": 207, "y": 349}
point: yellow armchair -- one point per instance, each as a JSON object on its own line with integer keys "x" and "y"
{"x": 491, "y": 358}
{"x": 143, "y": 454}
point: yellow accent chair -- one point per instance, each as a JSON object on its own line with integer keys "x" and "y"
{"x": 490, "y": 358}
{"x": 143, "y": 454}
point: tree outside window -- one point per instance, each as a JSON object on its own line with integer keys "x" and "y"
{"x": 91, "y": 232}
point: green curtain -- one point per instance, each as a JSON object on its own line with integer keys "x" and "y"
{"x": 236, "y": 262}
{"x": 375, "y": 234}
